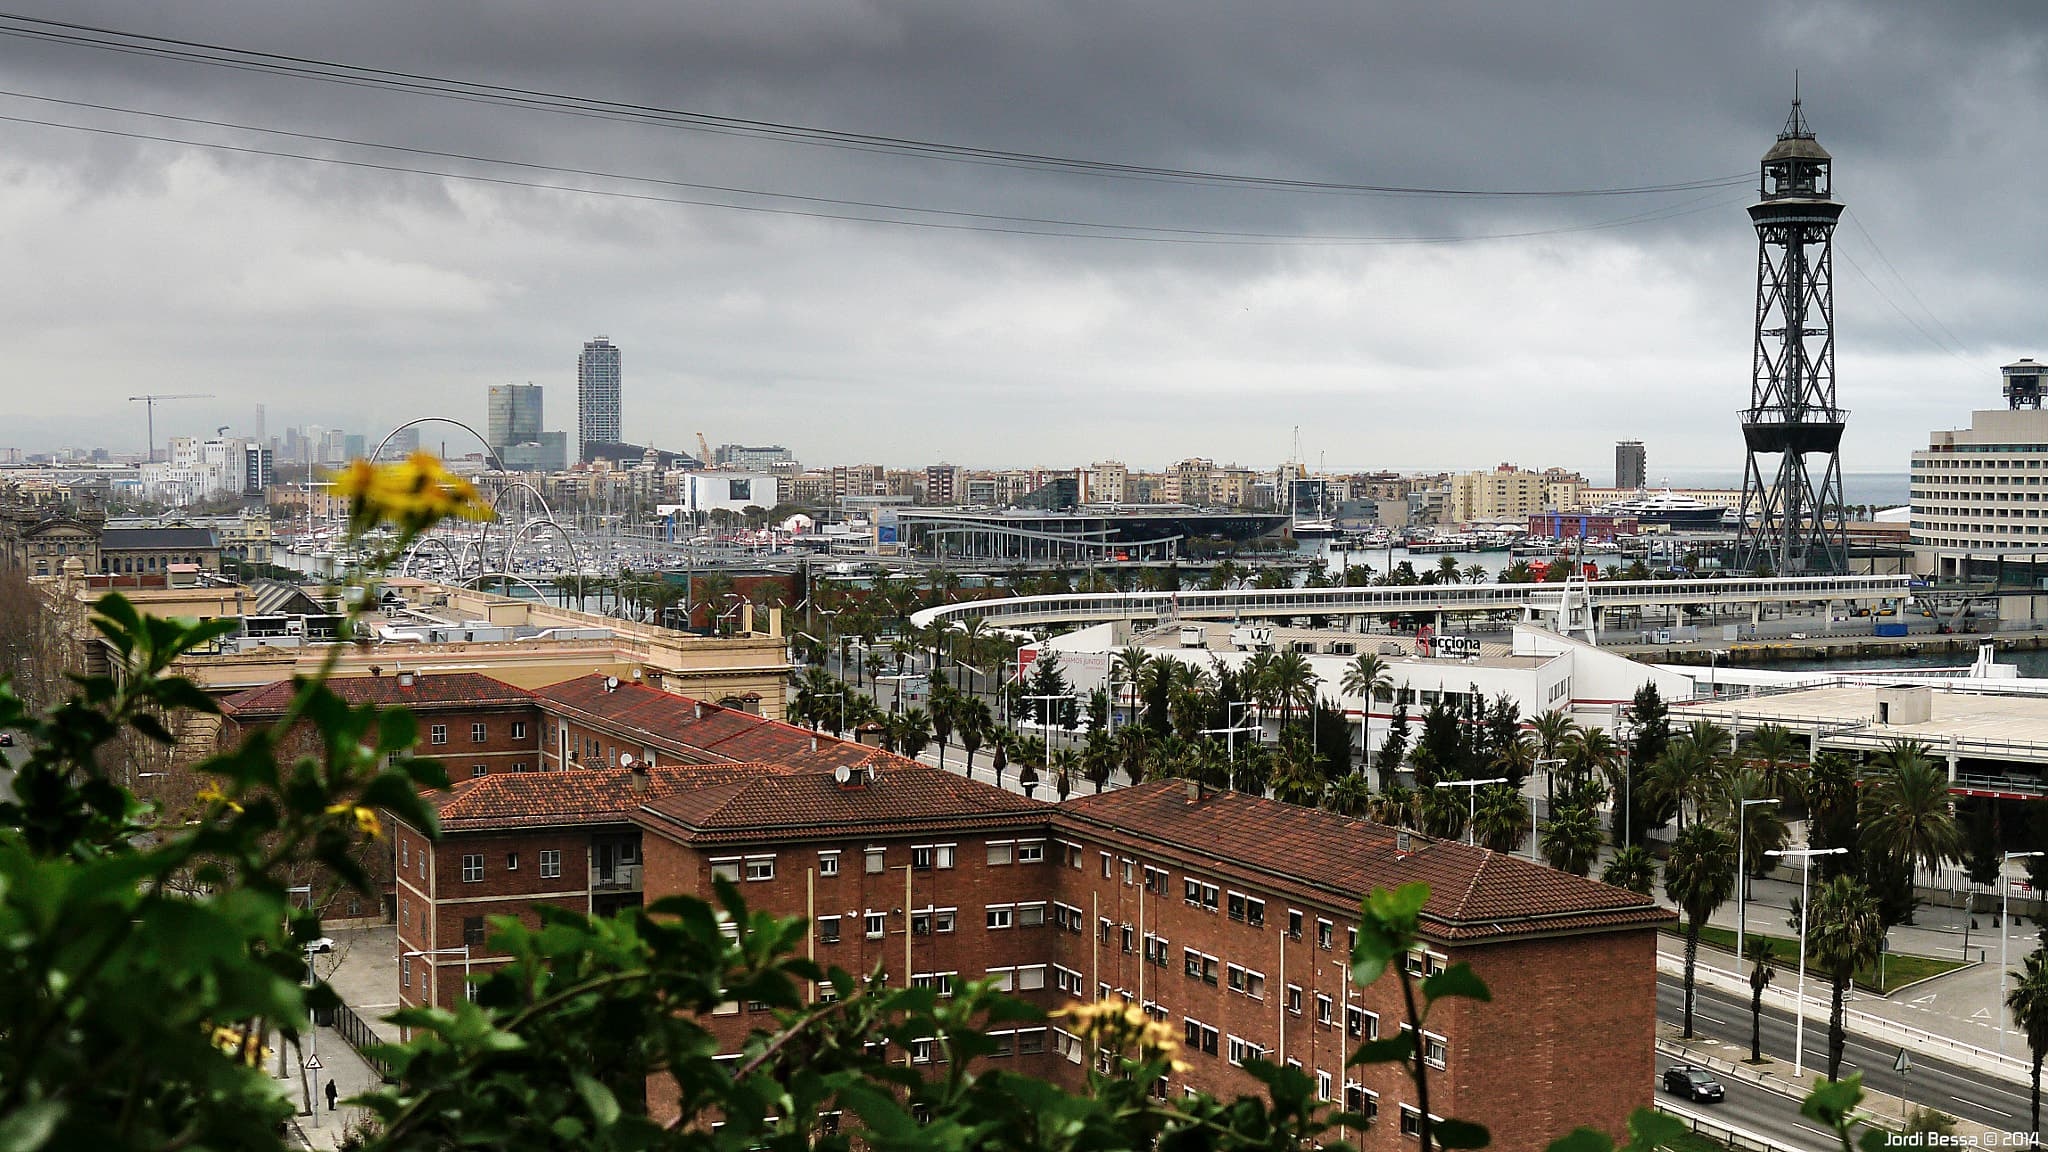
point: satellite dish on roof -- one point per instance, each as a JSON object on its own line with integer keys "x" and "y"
{"x": 842, "y": 774}
{"x": 625, "y": 759}
{"x": 611, "y": 683}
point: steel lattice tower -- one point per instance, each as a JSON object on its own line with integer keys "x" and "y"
{"x": 1791, "y": 524}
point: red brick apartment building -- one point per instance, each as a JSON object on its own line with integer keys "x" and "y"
{"x": 472, "y": 723}
{"x": 1226, "y": 915}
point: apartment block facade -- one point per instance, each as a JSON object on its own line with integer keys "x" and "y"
{"x": 1228, "y": 916}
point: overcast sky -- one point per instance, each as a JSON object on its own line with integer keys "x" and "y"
{"x": 1548, "y": 328}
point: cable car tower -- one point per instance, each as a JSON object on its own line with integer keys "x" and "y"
{"x": 1792, "y": 524}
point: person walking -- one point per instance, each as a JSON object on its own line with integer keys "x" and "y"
{"x": 333, "y": 1094}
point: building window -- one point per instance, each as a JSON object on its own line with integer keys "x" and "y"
{"x": 878, "y": 925}
{"x": 1106, "y": 873}
{"x": 405, "y": 971}
{"x": 1031, "y": 915}
{"x": 1294, "y": 999}
{"x": 511, "y": 861}
{"x": 550, "y": 863}
{"x": 1030, "y": 1041}
{"x": 877, "y": 859}
{"x": 932, "y": 920}
{"x": 1360, "y": 1024}
{"x": 1200, "y": 1037}
{"x": 1030, "y": 977}
{"x": 1001, "y": 915}
{"x": 405, "y": 853}
{"x": 437, "y": 734}
{"x": 1237, "y": 906}
{"x": 1435, "y": 1051}
{"x": 1411, "y": 1122}
{"x": 1322, "y": 1084}
{"x": 477, "y": 733}
{"x": 926, "y": 857}
{"x": 1155, "y": 880}
{"x": 1324, "y": 1007}
{"x": 1325, "y": 931}
{"x": 1073, "y": 856}
{"x": 828, "y": 863}
{"x": 1000, "y": 852}
{"x": 1242, "y": 1050}
{"x": 1127, "y": 939}
{"x": 519, "y": 729}
{"x": 1155, "y": 950}
{"x": 727, "y": 868}
{"x": 828, "y": 929}
{"x": 1294, "y": 925}
{"x": 940, "y": 982}
{"x": 1030, "y": 851}
{"x": 761, "y": 868}
{"x": 473, "y": 930}
{"x": 1255, "y": 913}
{"x": 476, "y": 770}
{"x": 1359, "y": 1099}
{"x": 473, "y": 868}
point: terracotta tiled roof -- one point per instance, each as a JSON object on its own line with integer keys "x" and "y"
{"x": 1474, "y": 893}
{"x": 898, "y": 799}
{"x": 428, "y": 690}
{"x": 701, "y": 732}
{"x": 579, "y": 795}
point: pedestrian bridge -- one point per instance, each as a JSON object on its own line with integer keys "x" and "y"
{"x": 1573, "y": 607}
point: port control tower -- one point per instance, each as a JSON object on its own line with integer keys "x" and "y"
{"x": 1792, "y": 518}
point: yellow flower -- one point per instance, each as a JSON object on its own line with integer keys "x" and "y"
{"x": 412, "y": 495}
{"x": 211, "y": 794}
{"x": 366, "y": 819}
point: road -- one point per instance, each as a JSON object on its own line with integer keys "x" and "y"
{"x": 1965, "y": 1093}
{"x": 1755, "y": 1110}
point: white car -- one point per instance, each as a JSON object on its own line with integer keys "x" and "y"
{"x": 323, "y": 944}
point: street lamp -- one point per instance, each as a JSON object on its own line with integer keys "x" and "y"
{"x": 1742, "y": 872}
{"x": 2004, "y": 891}
{"x": 1471, "y": 801}
{"x": 1045, "y": 719}
{"x": 1229, "y": 731}
{"x": 1806, "y": 856}
{"x": 1713, "y": 654}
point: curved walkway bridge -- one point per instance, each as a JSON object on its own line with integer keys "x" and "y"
{"x": 1574, "y": 607}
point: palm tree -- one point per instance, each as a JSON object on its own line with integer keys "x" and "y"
{"x": 2028, "y": 1002}
{"x": 1845, "y": 931}
{"x": 1571, "y": 840}
{"x": 914, "y": 732}
{"x": 1349, "y": 795}
{"x": 1689, "y": 774}
{"x": 1552, "y": 730}
{"x": 1906, "y": 812}
{"x": 1475, "y": 573}
{"x": 1697, "y": 877}
{"x": 973, "y": 721}
{"x": 1396, "y": 807}
{"x": 1631, "y": 867}
{"x": 1064, "y": 764}
{"x": 1367, "y": 677}
{"x": 945, "y": 716}
{"x": 1448, "y": 570}
{"x": 1762, "y": 958}
{"x": 1500, "y": 820}
{"x": 1294, "y": 682}
{"x": 1761, "y": 826}
{"x": 1516, "y": 759}
{"x": 1773, "y": 751}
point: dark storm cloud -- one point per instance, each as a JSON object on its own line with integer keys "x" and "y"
{"x": 360, "y": 297}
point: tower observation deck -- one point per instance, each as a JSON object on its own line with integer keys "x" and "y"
{"x": 1792, "y": 517}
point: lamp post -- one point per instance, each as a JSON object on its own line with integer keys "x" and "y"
{"x": 1471, "y": 801}
{"x": 1806, "y": 856}
{"x": 2004, "y": 891}
{"x": 842, "y": 706}
{"x": 1713, "y": 654}
{"x": 1549, "y": 783}
{"x": 1229, "y": 731}
{"x": 1742, "y": 872}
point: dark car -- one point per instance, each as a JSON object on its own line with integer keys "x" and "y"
{"x": 1693, "y": 1084}
{"x": 6, "y": 739}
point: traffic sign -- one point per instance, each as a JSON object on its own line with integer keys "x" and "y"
{"x": 313, "y": 1063}
{"x": 1903, "y": 1064}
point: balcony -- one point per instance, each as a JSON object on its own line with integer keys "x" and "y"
{"x": 615, "y": 878}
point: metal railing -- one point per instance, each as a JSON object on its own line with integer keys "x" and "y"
{"x": 1737, "y": 1138}
{"x": 362, "y": 1038}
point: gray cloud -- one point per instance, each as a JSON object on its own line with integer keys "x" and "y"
{"x": 339, "y": 295}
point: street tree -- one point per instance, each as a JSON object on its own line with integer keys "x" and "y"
{"x": 1762, "y": 958}
{"x": 1571, "y": 840}
{"x": 1845, "y": 931}
{"x": 2027, "y": 1000}
{"x": 1698, "y": 877}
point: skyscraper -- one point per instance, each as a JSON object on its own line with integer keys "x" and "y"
{"x": 597, "y": 395}
{"x": 1631, "y": 465}
{"x": 513, "y": 414}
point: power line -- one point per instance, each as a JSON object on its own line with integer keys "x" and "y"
{"x": 201, "y": 52}
{"x": 1217, "y": 239}
{"x": 1900, "y": 277}
{"x": 742, "y": 191}
{"x": 1903, "y": 314}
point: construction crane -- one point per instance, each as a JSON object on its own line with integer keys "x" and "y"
{"x": 150, "y": 402}
{"x": 703, "y": 451}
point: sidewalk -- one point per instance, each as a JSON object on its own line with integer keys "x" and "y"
{"x": 362, "y": 971}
